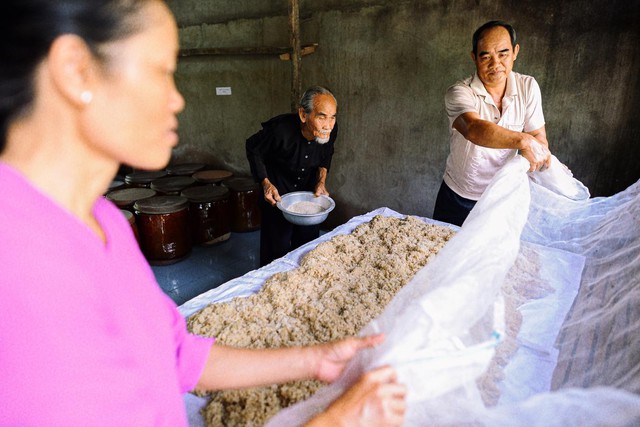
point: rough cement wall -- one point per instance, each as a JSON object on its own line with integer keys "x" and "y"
{"x": 389, "y": 64}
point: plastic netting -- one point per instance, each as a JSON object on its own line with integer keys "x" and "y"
{"x": 528, "y": 317}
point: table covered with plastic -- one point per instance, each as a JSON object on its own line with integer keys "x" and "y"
{"x": 537, "y": 244}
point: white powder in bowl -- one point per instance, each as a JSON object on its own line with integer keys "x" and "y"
{"x": 305, "y": 208}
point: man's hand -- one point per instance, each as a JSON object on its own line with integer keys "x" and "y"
{"x": 320, "y": 190}
{"x": 533, "y": 146}
{"x": 271, "y": 194}
{"x": 322, "y": 178}
{"x": 537, "y": 154}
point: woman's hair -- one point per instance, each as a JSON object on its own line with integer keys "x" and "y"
{"x": 306, "y": 102}
{"x": 492, "y": 24}
{"x": 29, "y": 27}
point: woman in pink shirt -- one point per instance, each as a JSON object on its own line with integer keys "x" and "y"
{"x": 86, "y": 335}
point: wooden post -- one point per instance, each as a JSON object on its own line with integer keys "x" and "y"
{"x": 296, "y": 56}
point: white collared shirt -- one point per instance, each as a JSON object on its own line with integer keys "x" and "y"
{"x": 471, "y": 167}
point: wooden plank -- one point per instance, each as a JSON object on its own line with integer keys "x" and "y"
{"x": 306, "y": 50}
{"x": 283, "y": 52}
{"x": 234, "y": 51}
{"x": 296, "y": 56}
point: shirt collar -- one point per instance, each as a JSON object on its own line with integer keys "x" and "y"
{"x": 478, "y": 87}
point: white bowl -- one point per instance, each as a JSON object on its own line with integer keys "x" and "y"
{"x": 325, "y": 203}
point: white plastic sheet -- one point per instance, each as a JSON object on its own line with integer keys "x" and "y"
{"x": 558, "y": 179}
{"x": 575, "y": 360}
{"x": 447, "y": 297}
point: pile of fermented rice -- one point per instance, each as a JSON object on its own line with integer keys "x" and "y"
{"x": 339, "y": 287}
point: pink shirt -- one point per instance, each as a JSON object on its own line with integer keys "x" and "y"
{"x": 87, "y": 337}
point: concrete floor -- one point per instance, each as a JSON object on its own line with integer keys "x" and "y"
{"x": 210, "y": 266}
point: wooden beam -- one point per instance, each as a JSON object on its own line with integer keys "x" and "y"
{"x": 306, "y": 50}
{"x": 206, "y": 51}
{"x": 296, "y": 55}
{"x": 283, "y": 52}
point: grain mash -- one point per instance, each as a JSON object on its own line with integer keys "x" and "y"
{"x": 338, "y": 288}
{"x": 305, "y": 208}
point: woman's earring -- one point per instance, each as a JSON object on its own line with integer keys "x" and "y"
{"x": 86, "y": 97}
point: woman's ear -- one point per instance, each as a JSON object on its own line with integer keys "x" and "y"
{"x": 71, "y": 65}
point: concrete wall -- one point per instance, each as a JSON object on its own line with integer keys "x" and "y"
{"x": 389, "y": 64}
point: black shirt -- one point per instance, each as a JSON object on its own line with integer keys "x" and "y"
{"x": 281, "y": 153}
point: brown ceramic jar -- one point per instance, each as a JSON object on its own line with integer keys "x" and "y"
{"x": 163, "y": 224}
{"x": 132, "y": 222}
{"x": 245, "y": 210}
{"x": 172, "y": 185}
{"x": 126, "y": 197}
{"x": 184, "y": 169}
{"x": 142, "y": 179}
{"x": 214, "y": 177}
{"x": 209, "y": 213}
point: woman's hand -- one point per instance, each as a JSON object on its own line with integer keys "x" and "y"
{"x": 257, "y": 367}
{"x": 376, "y": 399}
{"x": 331, "y": 358}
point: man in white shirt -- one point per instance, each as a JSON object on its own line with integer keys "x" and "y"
{"x": 493, "y": 114}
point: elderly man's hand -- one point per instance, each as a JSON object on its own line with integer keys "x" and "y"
{"x": 271, "y": 194}
{"x": 321, "y": 190}
{"x": 537, "y": 154}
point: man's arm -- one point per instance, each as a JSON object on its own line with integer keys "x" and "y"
{"x": 256, "y": 147}
{"x": 541, "y": 136}
{"x": 532, "y": 145}
{"x": 320, "y": 185}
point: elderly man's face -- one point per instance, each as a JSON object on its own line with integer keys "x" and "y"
{"x": 495, "y": 56}
{"x": 320, "y": 122}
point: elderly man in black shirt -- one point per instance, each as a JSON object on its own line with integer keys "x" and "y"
{"x": 292, "y": 152}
